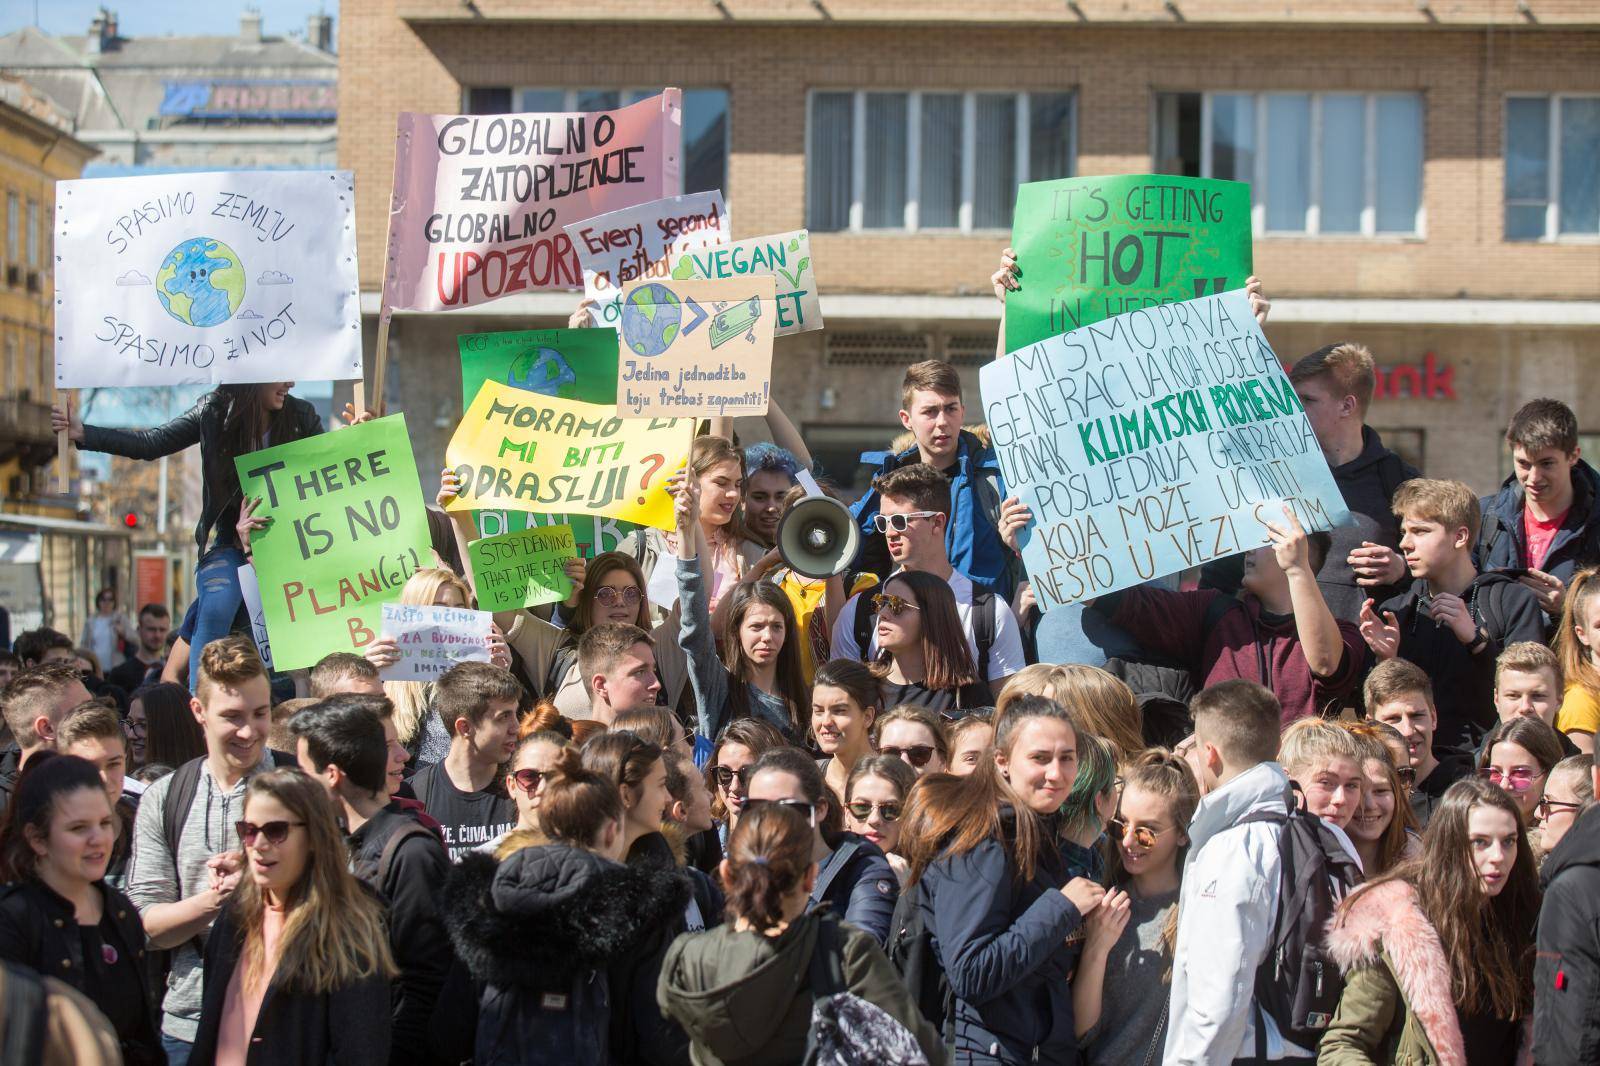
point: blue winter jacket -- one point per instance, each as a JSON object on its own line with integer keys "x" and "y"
{"x": 1002, "y": 944}
{"x": 971, "y": 538}
{"x": 859, "y": 885}
{"x": 1502, "y": 544}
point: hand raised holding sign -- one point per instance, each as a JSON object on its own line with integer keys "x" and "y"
{"x": 1290, "y": 546}
{"x": 250, "y": 521}
{"x": 1260, "y": 306}
{"x": 65, "y": 420}
{"x": 1008, "y": 277}
{"x": 1014, "y": 518}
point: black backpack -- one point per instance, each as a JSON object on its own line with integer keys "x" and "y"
{"x": 982, "y": 627}
{"x": 910, "y": 948}
{"x": 375, "y": 870}
{"x": 1298, "y": 984}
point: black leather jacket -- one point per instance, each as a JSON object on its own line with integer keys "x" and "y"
{"x": 202, "y": 425}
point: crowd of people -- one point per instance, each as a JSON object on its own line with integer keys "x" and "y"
{"x": 1332, "y": 799}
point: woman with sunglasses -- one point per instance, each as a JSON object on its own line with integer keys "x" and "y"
{"x": 1569, "y": 790}
{"x": 728, "y": 771}
{"x": 57, "y": 914}
{"x": 994, "y": 893}
{"x": 297, "y": 965}
{"x": 916, "y": 735}
{"x": 1088, "y": 808}
{"x": 1383, "y": 829}
{"x": 969, "y": 740}
{"x": 854, "y": 876}
{"x": 1518, "y": 755}
{"x": 845, "y": 703}
{"x": 1119, "y": 994}
{"x": 550, "y": 931}
{"x": 923, "y": 655}
{"x": 533, "y": 758}
{"x": 1438, "y": 954}
{"x": 874, "y": 797}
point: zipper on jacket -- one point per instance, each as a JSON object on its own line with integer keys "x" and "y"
{"x": 1318, "y": 992}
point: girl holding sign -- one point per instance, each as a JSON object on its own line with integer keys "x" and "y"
{"x": 227, "y": 422}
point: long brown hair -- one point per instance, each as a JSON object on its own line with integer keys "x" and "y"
{"x": 1404, "y": 824}
{"x": 334, "y": 934}
{"x": 1099, "y": 702}
{"x": 171, "y": 735}
{"x": 1487, "y": 942}
{"x": 949, "y": 815}
{"x": 790, "y": 676}
{"x": 946, "y": 655}
{"x": 1577, "y": 662}
{"x": 247, "y": 426}
{"x": 707, "y": 453}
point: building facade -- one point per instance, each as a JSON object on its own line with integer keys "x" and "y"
{"x": 1426, "y": 176}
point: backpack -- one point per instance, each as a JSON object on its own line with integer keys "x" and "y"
{"x": 982, "y": 627}
{"x": 846, "y": 1029}
{"x": 910, "y": 949}
{"x": 1298, "y": 984}
{"x": 376, "y": 872}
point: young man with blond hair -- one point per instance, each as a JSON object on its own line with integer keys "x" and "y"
{"x": 1453, "y": 622}
{"x": 1398, "y": 694}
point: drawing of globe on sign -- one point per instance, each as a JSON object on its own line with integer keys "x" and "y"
{"x": 650, "y": 319}
{"x": 201, "y": 282}
{"x": 541, "y": 370}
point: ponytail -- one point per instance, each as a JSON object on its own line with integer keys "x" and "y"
{"x": 577, "y": 803}
{"x": 769, "y": 853}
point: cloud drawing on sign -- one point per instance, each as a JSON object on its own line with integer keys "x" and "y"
{"x": 274, "y": 277}
{"x": 247, "y": 314}
{"x": 133, "y": 277}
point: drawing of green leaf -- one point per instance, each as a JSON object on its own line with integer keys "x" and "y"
{"x": 804, "y": 263}
{"x": 684, "y": 270}
{"x": 794, "y": 244}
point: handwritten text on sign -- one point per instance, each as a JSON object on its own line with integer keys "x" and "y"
{"x": 697, "y": 347}
{"x": 431, "y": 640}
{"x": 639, "y": 243}
{"x": 785, "y": 256}
{"x": 1090, "y": 248}
{"x": 522, "y": 569}
{"x": 548, "y": 455}
{"x": 1151, "y": 442}
{"x": 483, "y": 199}
{"x": 184, "y": 279}
{"x": 347, "y": 527}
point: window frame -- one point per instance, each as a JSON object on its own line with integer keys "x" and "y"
{"x": 1552, "y": 187}
{"x": 911, "y": 221}
{"x": 1368, "y": 230}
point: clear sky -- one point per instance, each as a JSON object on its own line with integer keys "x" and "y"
{"x": 144, "y": 18}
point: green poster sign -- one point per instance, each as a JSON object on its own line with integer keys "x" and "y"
{"x": 523, "y": 569}
{"x": 1091, "y": 248}
{"x": 574, "y": 364}
{"x": 347, "y": 528}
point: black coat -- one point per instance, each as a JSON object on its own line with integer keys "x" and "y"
{"x": 541, "y": 933}
{"x": 1566, "y": 974}
{"x": 202, "y": 424}
{"x": 39, "y": 929}
{"x": 350, "y": 1026}
{"x": 1502, "y": 543}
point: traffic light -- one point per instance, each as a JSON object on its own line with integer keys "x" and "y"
{"x": 131, "y": 520}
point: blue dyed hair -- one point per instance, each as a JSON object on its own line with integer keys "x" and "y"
{"x": 764, "y": 455}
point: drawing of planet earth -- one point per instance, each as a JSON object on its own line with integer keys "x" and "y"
{"x": 650, "y": 319}
{"x": 201, "y": 282}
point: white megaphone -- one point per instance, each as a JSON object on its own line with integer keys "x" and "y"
{"x": 818, "y": 537}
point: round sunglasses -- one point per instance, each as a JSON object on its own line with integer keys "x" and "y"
{"x": 528, "y": 779}
{"x": 915, "y": 754}
{"x": 606, "y": 596}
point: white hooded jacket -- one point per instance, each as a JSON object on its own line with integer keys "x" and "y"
{"x": 1226, "y": 912}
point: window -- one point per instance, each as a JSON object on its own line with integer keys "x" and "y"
{"x": 705, "y": 121}
{"x": 930, "y": 160}
{"x": 1321, "y": 164}
{"x": 33, "y": 233}
{"x": 1552, "y": 172}
{"x": 13, "y": 228}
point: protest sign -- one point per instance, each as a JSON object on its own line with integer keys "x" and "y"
{"x": 522, "y": 569}
{"x": 574, "y": 364}
{"x": 697, "y": 347}
{"x": 544, "y": 454}
{"x": 199, "y": 279}
{"x": 640, "y": 243}
{"x": 1090, "y": 248}
{"x": 1152, "y": 442}
{"x": 480, "y": 201}
{"x": 785, "y": 256}
{"x": 347, "y": 527}
{"x": 431, "y": 640}
{"x": 250, "y": 586}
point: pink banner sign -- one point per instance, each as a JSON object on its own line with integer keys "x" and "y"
{"x": 480, "y": 201}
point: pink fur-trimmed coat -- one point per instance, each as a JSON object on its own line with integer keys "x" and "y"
{"x": 1397, "y": 1006}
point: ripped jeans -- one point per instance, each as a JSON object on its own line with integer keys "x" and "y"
{"x": 218, "y": 600}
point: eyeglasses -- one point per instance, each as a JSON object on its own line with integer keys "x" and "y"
{"x": 1547, "y": 806}
{"x": 726, "y": 774}
{"x": 861, "y": 810}
{"x": 1144, "y": 838}
{"x": 275, "y": 832}
{"x": 895, "y": 605}
{"x": 1516, "y": 779}
{"x": 528, "y": 780}
{"x": 898, "y": 522}
{"x": 1407, "y": 775}
{"x": 606, "y": 596}
{"x": 798, "y": 806}
{"x": 916, "y": 754}
{"x": 133, "y": 727}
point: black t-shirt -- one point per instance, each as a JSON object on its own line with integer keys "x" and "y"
{"x": 111, "y": 977}
{"x": 945, "y": 700}
{"x": 1425, "y": 794}
{"x": 468, "y": 818}
{"x": 130, "y": 674}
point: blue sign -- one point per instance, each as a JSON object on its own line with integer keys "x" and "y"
{"x": 252, "y": 98}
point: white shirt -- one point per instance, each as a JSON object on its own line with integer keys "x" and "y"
{"x": 1005, "y": 654}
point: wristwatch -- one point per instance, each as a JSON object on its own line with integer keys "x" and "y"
{"x": 1479, "y": 642}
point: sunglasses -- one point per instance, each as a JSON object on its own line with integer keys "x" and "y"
{"x": 883, "y": 523}
{"x": 895, "y": 605}
{"x": 1517, "y": 779}
{"x": 726, "y": 774}
{"x": 798, "y": 806}
{"x": 1547, "y": 806}
{"x": 275, "y": 832}
{"x": 1144, "y": 838}
{"x": 528, "y": 780}
{"x": 1407, "y": 775}
{"x": 861, "y": 810}
{"x": 606, "y": 596}
{"x": 916, "y": 754}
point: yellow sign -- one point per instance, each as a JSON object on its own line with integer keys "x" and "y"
{"x": 521, "y": 451}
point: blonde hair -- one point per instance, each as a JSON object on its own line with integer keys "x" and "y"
{"x": 1577, "y": 662}
{"x": 412, "y": 699}
{"x": 1349, "y": 365}
{"x": 1314, "y": 740}
{"x": 1099, "y": 703}
{"x": 1528, "y": 657}
{"x": 1450, "y": 503}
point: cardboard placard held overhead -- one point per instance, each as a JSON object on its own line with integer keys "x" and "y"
{"x": 697, "y": 347}
{"x": 522, "y": 569}
{"x": 785, "y": 256}
{"x": 431, "y": 640}
{"x": 641, "y": 243}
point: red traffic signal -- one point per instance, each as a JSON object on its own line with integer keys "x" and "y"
{"x": 131, "y": 520}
